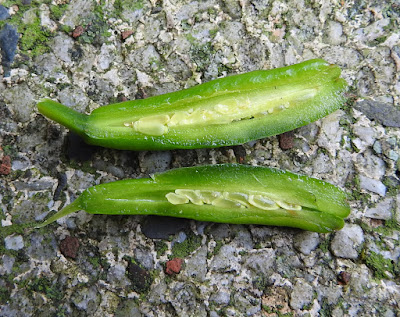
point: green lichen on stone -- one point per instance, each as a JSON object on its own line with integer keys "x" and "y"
{"x": 57, "y": 11}
{"x": 126, "y": 5}
{"x": 217, "y": 247}
{"x": 392, "y": 188}
{"x": 42, "y": 285}
{"x": 200, "y": 53}
{"x": 276, "y": 310}
{"x": 96, "y": 28}
{"x": 160, "y": 247}
{"x": 34, "y": 39}
{"x": 354, "y": 191}
{"x": 9, "y": 150}
{"x": 324, "y": 245}
{"x": 390, "y": 226}
{"x": 185, "y": 248}
{"x": 4, "y": 296}
{"x": 382, "y": 268}
{"x": 66, "y": 28}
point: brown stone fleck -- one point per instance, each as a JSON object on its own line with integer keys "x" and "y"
{"x": 69, "y": 247}
{"x": 78, "y": 31}
{"x": 126, "y": 34}
{"x": 7, "y": 160}
{"x": 344, "y": 278}
{"x": 174, "y": 266}
{"x": 375, "y": 223}
{"x": 286, "y": 140}
{"x": 5, "y": 166}
{"x": 276, "y": 303}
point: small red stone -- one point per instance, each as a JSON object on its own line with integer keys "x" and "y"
{"x": 4, "y": 170}
{"x": 69, "y": 247}
{"x": 5, "y": 167}
{"x": 286, "y": 140}
{"x": 126, "y": 34}
{"x": 7, "y": 160}
{"x": 78, "y": 31}
{"x": 174, "y": 266}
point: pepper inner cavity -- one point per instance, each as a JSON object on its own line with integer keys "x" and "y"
{"x": 227, "y": 199}
{"x": 222, "y": 110}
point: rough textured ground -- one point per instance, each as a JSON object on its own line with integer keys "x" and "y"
{"x": 90, "y": 53}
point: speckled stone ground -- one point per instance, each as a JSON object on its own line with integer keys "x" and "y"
{"x": 90, "y": 53}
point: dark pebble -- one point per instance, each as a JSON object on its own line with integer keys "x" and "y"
{"x": 240, "y": 153}
{"x": 76, "y": 53}
{"x": 141, "y": 279}
{"x": 156, "y": 10}
{"x": 183, "y": 158}
{"x": 384, "y": 113}
{"x": 4, "y": 13}
{"x": 141, "y": 94}
{"x": 8, "y": 44}
{"x": 286, "y": 140}
{"x": 69, "y": 247}
{"x": 62, "y": 184}
{"x": 156, "y": 227}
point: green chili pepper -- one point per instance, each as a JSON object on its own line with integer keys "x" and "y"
{"x": 226, "y": 111}
{"x": 227, "y": 193}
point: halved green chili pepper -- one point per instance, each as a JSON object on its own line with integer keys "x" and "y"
{"x": 228, "y": 193}
{"x": 226, "y": 111}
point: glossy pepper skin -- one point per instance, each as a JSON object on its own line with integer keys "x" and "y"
{"x": 227, "y": 193}
{"x": 227, "y": 111}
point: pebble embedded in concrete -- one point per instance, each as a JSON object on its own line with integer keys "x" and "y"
{"x": 14, "y": 242}
{"x": 306, "y": 242}
{"x": 372, "y": 185}
{"x": 383, "y": 210}
{"x": 348, "y": 241}
{"x": 302, "y": 294}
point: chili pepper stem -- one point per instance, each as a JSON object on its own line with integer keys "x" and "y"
{"x": 64, "y": 115}
{"x": 69, "y": 209}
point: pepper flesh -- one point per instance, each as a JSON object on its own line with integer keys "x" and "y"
{"x": 249, "y": 195}
{"x": 227, "y": 111}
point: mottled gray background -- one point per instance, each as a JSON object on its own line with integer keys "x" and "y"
{"x": 91, "y": 53}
